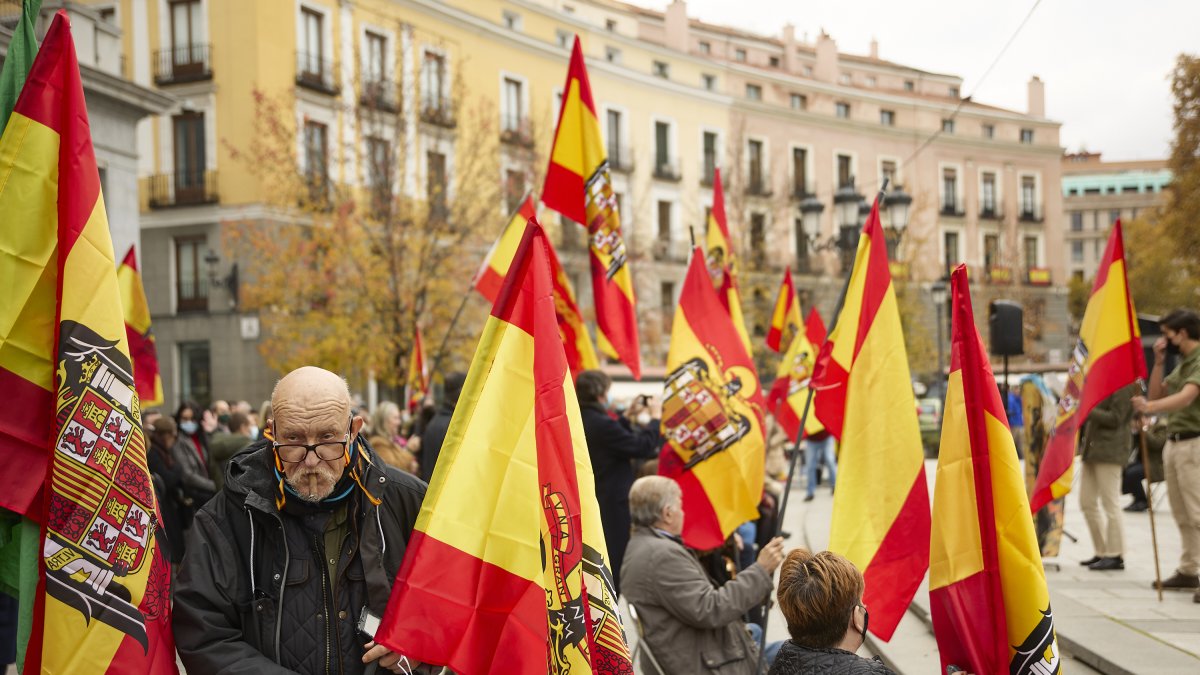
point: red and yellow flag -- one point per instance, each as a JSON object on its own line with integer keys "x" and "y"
{"x": 578, "y": 186}
{"x": 137, "y": 331}
{"x": 785, "y": 319}
{"x": 515, "y": 579}
{"x": 416, "y": 384}
{"x": 881, "y": 505}
{"x": 72, "y": 419}
{"x": 712, "y": 416}
{"x": 789, "y": 392}
{"x": 1107, "y": 357}
{"x": 723, "y": 262}
{"x": 987, "y": 591}
{"x": 814, "y": 328}
{"x": 581, "y": 355}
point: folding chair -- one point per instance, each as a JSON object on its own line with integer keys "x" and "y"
{"x": 642, "y": 647}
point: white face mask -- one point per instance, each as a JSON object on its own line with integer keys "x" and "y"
{"x": 188, "y": 427}
{"x": 253, "y": 431}
{"x": 644, "y": 418}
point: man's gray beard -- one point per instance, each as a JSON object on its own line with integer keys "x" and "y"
{"x": 300, "y": 480}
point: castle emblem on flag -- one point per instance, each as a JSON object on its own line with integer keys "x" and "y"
{"x": 604, "y": 222}
{"x": 697, "y": 414}
{"x": 1032, "y": 657}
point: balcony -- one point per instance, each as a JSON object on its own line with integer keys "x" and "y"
{"x": 317, "y": 194}
{"x": 800, "y": 193}
{"x": 999, "y": 275}
{"x": 516, "y": 130}
{"x": 1031, "y": 213}
{"x": 437, "y": 111}
{"x": 183, "y": 189}
{"x": 952, "y": 208}
{"x": 708, "y": 170}
{"x": 620, "y": 158}
{"x": 379, "y": 94}
{"x": 667, "y": 168}
{"x": 191, "y": 295}
{"x": 990, "y": 213}
{"x": 190, "y": 63}
{"x": 1037, "y": 276}
{"x": 758, "y": 185}
{"x": 667, "y": 250}
{"x": 315, "y": 72}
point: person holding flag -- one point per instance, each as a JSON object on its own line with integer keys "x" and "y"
{"x": 987, "y": 592}
{"x": 1179, "y": 395}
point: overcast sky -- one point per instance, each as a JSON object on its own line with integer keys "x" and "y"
{"x": 1106, "y": 63}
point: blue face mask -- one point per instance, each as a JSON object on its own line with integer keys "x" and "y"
{"x": 189, "y": 427}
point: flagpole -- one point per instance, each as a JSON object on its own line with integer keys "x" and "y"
{"x": 1150, "y": 502}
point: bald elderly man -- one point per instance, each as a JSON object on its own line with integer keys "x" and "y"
{"x": 303, "y": 541}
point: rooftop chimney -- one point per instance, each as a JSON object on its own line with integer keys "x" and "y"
{"x": 826, "y": 69}
{"x": 1037, "y": 97}
{"x": 789, "y": 48}
{"x": 677, "y": 25}
{"x": 874, "y": 48}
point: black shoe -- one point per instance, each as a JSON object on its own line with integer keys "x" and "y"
{"x": 1090, "y": 561}
{"x": 1178, "y": 581}
{"x": 1112, "y": 563}
{"x": 1137, "y": 507}
{"x": 808, "y": 498}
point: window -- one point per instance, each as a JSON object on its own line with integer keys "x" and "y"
{"x": 739, "y": 55}
{"x": 754, "y": 92}
{"x": 773, "y": 61}
{"x": 610, "y": 25}
{"x": 1027, "y": 136}
{"x": 705, "y": 48}
{"x": 513, "y": 119}
{"x": 316, "y": 159}
{"x": 612, "y": 55}
{"x": 1031, "y": 252}
{"x": 662, "y": 69}
{"x": 842, "y": 110}
{"x": 514, "y": 188}
{"x": 950, "y": 250}
{"x": 758, "y": 239}
{"x": 379, "y": 177}
{"x": 844, "y": 78}
{"x": 189, "y": 158}
{"x": 613, "y": 120}
{"x": 374, "y": 68}
{"x": 953, "y": 92}
{"x": 802, "y": 262}
{"x": 662, "y": 148}
{"x": 563, "y": 37}
{"x": 312, "y": 45}
{"x": 807, "y": 70}
{"x": 887, "y": 171}
{"x": 989, "y": 131}
{"x": 987, "y": 198}
{"x": 947, "y": 126}
{"x": 664, "y": 222}
{"x": 1077, "y": 251}
{"x": 433, "y": 82}
{"x": 666, "y": 306}
{"x": 887, "y": 118}
{"x": 909, "y": 85}
{"x": 191, "y": 289}
{"x": 950, "y": 191}
{"x": 845, "y": 171}
{"x": 754, "y": 156}
{"x": 710, "y": 157}
{"x": 1029, "y": 198}
{"x": 512, "y": 20}
{"x": 799, "y": 102}
{"x": 991, "y": 251}
{"x": 1077, "y": 221}
{"x": 709, "y": 81}
{"x": 799, "y": 172}
{"x": 185, "y": 32}
{"x": 195, "y": 381}
{"x": 871, "y": 81}
{"x": 435, "y": 183}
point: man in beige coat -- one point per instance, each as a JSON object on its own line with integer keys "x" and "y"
{"x": 691, "y": 626}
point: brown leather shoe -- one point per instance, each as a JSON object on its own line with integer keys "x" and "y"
{"x": 1179, "y": 581}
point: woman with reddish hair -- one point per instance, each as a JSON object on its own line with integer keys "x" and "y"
{"x": 820, "y": 595}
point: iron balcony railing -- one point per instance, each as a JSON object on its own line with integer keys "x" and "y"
{"x": 187, "y": 188}
{"x": 315, "y": 72}
{"x": 189, "y": 63}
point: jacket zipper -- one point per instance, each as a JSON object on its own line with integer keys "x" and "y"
{"x": 287, "y": 556}
{"x": 319, "y": 549}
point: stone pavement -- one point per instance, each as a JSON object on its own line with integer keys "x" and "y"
{"x": 1109, "y": 622}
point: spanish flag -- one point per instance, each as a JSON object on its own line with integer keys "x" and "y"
{"x": 881, "y": 505}
{"x": 514, "y": 579}
{"x": 578, "y": 186}
{"x": 723, "y": 263}
{"x": 416, "y": 384}
{"x": 814, "y": 328}
{"x": 712, "y": 416}
{"x": 581, "y": 355}
{"x": 137, "y": 331}
{"x": 1107, "y": 357}
{"x": 789, "y": 392}
{"x": 785, "y": 319}
{"x": 72, "y": 420}
{"x": 987, "y": 591}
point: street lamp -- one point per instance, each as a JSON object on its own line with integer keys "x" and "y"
{"x": 938, "y": 290}
{"x": 229, "y": 282}
{"x": 897, "y": 203}
{"x": 811, "y": 209}
{"x": 846, "y": 201}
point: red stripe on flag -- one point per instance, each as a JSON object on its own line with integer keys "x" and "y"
{"x": 458, "y": 589}
{"x": 26, "y": 420}
{"x": 814, "y": 328}
{"x": 878, "y": 276}
{"x": 969, "y": 602}
{"x": 489, "y": 284}
{"x": 701, "y": 527}
{"x": 145, "y": 362}
{"x": 895, "y": 573}
{"x": 507, "y": 307}
{"x": 566, "y": 182}
{"x": 619, "y": 318}
{"x": 829, "y": 400}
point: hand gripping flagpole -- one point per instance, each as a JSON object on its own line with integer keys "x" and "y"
{"x": 796, "y": 449}
{"x": 1145, "y": 427}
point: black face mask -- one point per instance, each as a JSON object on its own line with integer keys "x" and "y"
{"x": 866, "y": 620}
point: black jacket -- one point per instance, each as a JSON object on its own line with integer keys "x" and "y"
{"x": 794, "y": 659}
{"x": 432, "y": 437}
{"x": 232, "y": 611}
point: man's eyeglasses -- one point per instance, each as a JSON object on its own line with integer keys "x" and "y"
{"x": 294, "y": 453}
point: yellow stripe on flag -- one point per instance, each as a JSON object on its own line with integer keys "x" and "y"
{"x": 956, "y": 527}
